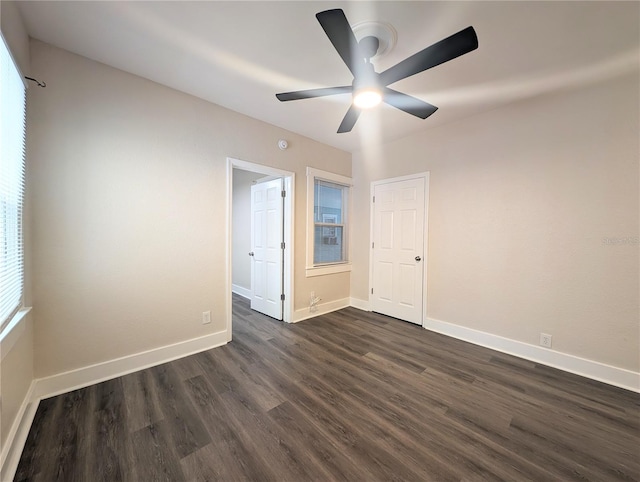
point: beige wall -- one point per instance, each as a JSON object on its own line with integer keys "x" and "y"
{"x": 241, "y": 225}
{"x": 16, "y": 351}
{"x": 129, "y": 199}
{"x": 522, "y": 201}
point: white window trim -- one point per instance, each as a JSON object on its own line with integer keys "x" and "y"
{"x": 12, "y": 328}
{"x": 311, "y": 269}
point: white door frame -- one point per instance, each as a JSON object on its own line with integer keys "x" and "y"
{"x": 289, "y": 186}
{"x": 421, "y": 175}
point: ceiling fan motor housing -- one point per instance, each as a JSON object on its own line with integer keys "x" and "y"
{"x": 367, "y": 77}
{"x": 369, "y": 47}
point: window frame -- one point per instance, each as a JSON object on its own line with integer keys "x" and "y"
{"x": 313, "y": 269}
{"x": 14, "y": 316}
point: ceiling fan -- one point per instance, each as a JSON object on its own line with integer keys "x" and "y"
{"x": 369, "y": 88}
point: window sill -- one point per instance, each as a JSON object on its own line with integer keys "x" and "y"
{"x": 327, "y": 269}
{"x": 12, "y": 332}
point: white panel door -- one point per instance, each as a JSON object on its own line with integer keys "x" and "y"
{"x": 398, "y": 249}
{"x": 266, "y": 248}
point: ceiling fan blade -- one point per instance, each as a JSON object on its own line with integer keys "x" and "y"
{"x": 337, "y": 28}
{"x": 408, "y": 104}
{"x": 447, "y": 49}
{"x": 311, "y": 93}
{"x": 349, "y": 120}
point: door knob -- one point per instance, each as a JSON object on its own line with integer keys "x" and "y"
{"x": 251, "y": 253}
{"x": 418, "y": 258}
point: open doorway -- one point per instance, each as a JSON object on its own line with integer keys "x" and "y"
{"x": 241, "y": 176}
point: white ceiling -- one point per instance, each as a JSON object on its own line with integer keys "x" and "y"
{"x": 240, "y": 54}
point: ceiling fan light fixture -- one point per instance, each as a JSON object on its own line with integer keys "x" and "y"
{"x": 367, "y": 98}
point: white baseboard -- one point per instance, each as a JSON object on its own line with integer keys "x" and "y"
{"x": 360, "y": 304}
{"x": 323, "y": 308}
{"x": 12, "y": 449}
{"x": 85, "y": 376}
{"x": 611, "y": 375}
{"x": 239, "y": 290}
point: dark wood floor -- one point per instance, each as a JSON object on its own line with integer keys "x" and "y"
{"x": 347, "y": 396}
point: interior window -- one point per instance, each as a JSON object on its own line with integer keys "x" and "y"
{"x": 328, "y": 222}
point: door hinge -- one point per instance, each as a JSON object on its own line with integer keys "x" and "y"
{"x": 374, "y": 199}
{"x": 282, "y": 297}
{"x": 282, "y": 245}
{"x": 284, "y": 193}
{"x": 371, "y": 290}
{"x": 372, "y": 245}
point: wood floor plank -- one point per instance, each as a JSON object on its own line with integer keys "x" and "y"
{"x": 153, "y": 456}
{"x": 262, "y": 437}
{"x": 332, "y": 463}
{"x": 65, "y": 435}
{"x": 233, "y": 460}
{"x": 181, "y": 424}
{"x": 351, "y": 396}
{"x": 35, "y": 451}
{"x": 251, "y": 384}
{"x": 221, "y": 380}
{"x": 142, "y": 401}
{"x": 106, "y": 441}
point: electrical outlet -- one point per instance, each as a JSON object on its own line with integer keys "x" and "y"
{"x": 206, "y": 317}
{"x": 545, "y": 340}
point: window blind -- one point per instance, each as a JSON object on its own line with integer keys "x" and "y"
{"x": 12, "y": 166}
{"x": 329, "y": 222}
